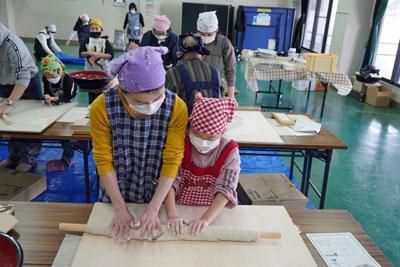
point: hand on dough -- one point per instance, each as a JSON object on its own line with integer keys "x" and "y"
{"x": 175, "y": 225}
{"x": 149, "y": 223}
{"x": 4, "y": 109}
{"x": 197, "y": 226}
{"x": 121, "y": 224}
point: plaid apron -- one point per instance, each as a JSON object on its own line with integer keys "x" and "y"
{"x": 137, "y": 148}
{"x": 197, "y": 187}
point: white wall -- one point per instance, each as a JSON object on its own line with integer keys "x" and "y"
{"x": 7, "y": 14}
{"x": 33, "y": 15}
{"x": 351, "y": 32}
{"x": 173, "y": 8}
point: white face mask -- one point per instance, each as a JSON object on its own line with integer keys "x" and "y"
{"x": 202, "y": 145}
{"x": 148, "y": 109}
{"x": 208, "y": 39}
{"x": 54, "y": 80}
{"x": 132, "y": 11}
{"x": 160, "y": 38}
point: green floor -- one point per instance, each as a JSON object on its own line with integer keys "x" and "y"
{"x": 363, "y": 177}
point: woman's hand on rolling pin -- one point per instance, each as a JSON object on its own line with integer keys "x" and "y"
{"x": 175, "y": 225}
{"x": 122, "y": 224}
{"x": 149, "y": 223}
{"x": 197, "y": 226}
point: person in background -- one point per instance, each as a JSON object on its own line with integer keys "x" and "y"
{"x": 193, "y": 75}
{"x": 45, "y": 44}
{"x": 210, "y": 169}
{"x": 138, "y": 134}
{"x": 81, "y": 29}
{"x": 161, "y": 35}
{"x": 19, "y": 78}
{"x": 59, "y": 88}
{"x": 97, "y": 50}
{"x": 135, "y": 23}
{"x": 222, "y": 53}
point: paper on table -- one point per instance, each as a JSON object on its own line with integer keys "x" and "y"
{"x": 296, "y": 117}
{"x": 307, "y": 126}
{"x": 286, "y": 130}
{"x": 341, "y": 249}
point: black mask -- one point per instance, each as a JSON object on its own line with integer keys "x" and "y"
{"x": 94, "y": 34}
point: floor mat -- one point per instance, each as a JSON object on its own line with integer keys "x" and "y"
{"x": 69, "y": 185}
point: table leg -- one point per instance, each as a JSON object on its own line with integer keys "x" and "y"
{"x": 304, "y": 172}
{"x": 291, "y": 166}
{"x": 308, "y": 173}
{"x": 325, "y": 178}
{"x": 308, "y": 95}
{"x": 323, "y": 100}
{"x": 86, "y": 151}
{"x": 278, "y": 97}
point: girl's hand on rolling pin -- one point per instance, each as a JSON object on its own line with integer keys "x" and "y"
{"x": 197, "y": 226}
{"x": 175, "y": 225}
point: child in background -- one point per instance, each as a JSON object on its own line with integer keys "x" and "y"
{"x": 96, "y": 49}
{"x": 210, "y": 169}
{"x": 81, "y": 28}
{"x": 59, "y": 88}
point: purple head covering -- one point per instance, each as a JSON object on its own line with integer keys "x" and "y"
{"x": 139, "y": 70}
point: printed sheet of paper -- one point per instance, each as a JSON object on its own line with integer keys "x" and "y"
{"x": 341, "y": 250}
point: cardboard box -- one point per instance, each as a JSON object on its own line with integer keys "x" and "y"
{"x": 20, "y": 186}
{"x": 316, "y": 62}
{"x": 269, "y": 189}
{"x": 378, "y": 96}
{"x": 361, "y": 87}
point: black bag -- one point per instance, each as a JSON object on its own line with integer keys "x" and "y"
{"x": 368, "y": 74}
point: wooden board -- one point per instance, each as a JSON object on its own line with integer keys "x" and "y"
{"x": 33, "y": 116}
{"x": 75, "y": 114}
{"x": 290, "y": 250}
{"x": 252, "y": 127}
{"x": 20, "y": 186}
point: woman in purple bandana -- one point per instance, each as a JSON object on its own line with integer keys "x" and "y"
{"x": 138, "y": 132}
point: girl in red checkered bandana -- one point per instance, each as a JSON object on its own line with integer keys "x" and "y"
{"x": 209, "y": 173}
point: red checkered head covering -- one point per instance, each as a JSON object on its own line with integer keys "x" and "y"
{"x": 211, "y": 115}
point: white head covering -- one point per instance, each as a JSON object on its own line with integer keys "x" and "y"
{"x": 85, "y": 18}
{"x": 207, "y": 22}
{"x": 52, "y": 27}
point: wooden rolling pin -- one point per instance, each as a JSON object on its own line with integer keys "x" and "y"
{"x": 212, "y": 233}
{"x": 6, "y": 119}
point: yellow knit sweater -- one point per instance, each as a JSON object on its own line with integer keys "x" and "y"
{"x": 102, "y": 140}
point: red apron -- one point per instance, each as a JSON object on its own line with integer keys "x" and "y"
{"x": 197, "y": 184}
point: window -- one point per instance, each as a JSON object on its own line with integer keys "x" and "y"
{"x": 319, "y": 25}
{"x": 387, "y": 55}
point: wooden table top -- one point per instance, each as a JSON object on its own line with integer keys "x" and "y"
{"x": 56, "y": 131}
{"x": 37, "y": 228}
{"x": 324, "y": 140}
